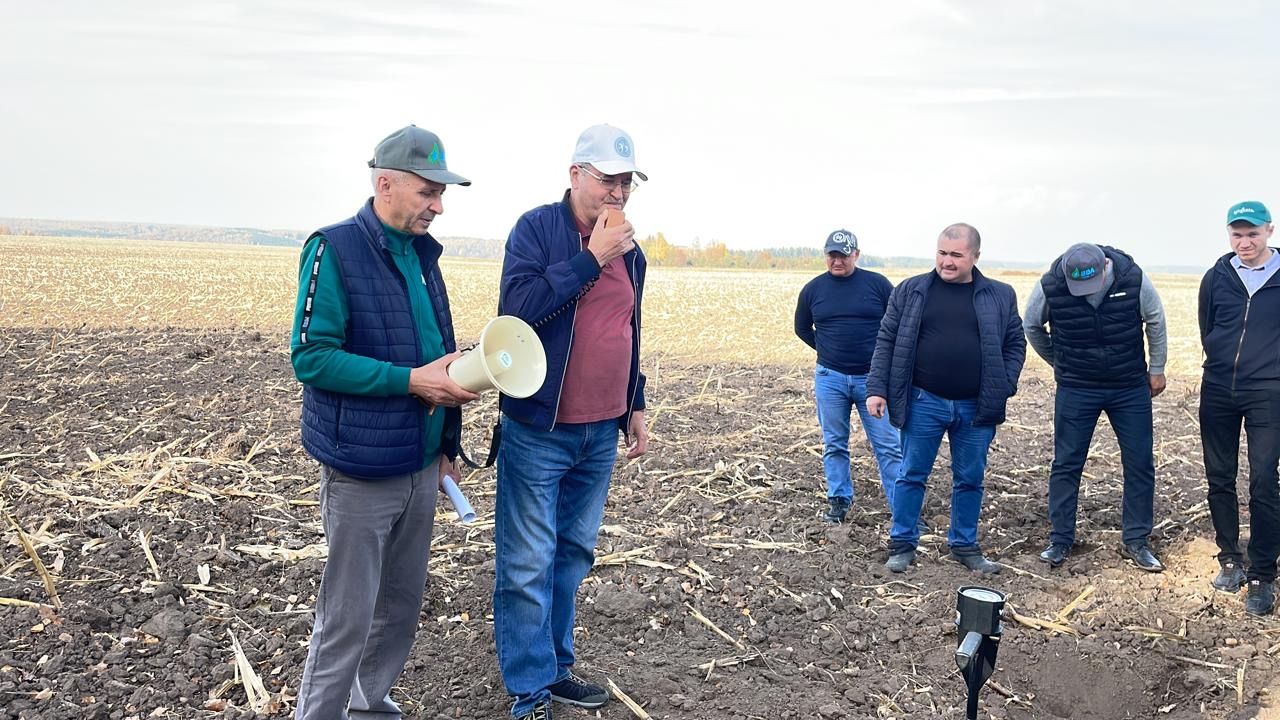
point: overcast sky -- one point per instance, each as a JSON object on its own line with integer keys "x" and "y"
{"x": 759, "y": 124}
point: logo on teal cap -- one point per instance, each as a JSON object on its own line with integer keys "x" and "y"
{"x": 1250, "y": 211}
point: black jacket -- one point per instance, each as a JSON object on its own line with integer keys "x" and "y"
{"x": 1240, "y": 334}
{"x": 1004, "y": 347}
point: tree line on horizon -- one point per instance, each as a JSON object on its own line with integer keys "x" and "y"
{"x": 663, "y": 253}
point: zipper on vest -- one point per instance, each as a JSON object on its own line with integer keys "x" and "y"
{"x": 1244, "y": 328}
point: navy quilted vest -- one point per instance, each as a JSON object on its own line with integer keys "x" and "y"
{"x": 1100, "y": 348}
{"x": 376, "y": 437}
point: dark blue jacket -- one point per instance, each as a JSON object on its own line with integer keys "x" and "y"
{"x": 1102, "y": 347}
{"x": 1240, "y": 334}
{"x": 544, "y": 271}
{"x": 1004, "y": 348}
{"x": 360, "y": 435}
{"x": 839, "y": 317}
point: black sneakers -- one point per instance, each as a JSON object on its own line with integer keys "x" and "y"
{"x": 1261, "y": 598}
{"x": 541, "y": 711}
{"x": 1055, "y": 554}
{"x": 1229, "y": 578}
{"x": 1141, "y": 555}
{"x": 573, "y": 690}
{"x": 838, "y": 508}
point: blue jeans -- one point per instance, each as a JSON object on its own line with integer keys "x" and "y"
{"x": 837, "y": 395}
{"x": 928, "y": 419}
{"x": 1075, "y": 416}
{"x": 552, "y": 487}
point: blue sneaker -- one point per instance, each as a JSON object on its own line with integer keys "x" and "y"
{"x": 573, "y": 690}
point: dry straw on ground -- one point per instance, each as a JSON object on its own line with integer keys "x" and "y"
{"x": 151, "y": 469}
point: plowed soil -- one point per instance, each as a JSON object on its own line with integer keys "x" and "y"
{"x": 158, "y": 477}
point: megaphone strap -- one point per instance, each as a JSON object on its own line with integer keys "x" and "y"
{"x": 494, "y": 443}
{"x": 585, "y": 289}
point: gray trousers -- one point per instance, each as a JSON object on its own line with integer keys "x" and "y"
{"x": 379, "y": 537}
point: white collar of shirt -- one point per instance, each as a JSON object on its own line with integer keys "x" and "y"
{"x": 1271, "y": 262}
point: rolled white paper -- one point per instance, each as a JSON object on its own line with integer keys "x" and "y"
{"x": 466, "y": 513}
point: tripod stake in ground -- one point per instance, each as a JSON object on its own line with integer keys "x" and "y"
{"x": 978, "y": 628}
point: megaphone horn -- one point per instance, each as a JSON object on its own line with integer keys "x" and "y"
{"x": 509, "y": 357}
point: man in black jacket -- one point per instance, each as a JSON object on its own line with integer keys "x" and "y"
{"x": 1097, "y": 303}
{"x": 947, "y": 359}
{"x": 1239, "y": 307}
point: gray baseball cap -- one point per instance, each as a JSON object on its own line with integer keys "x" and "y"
{"x": 1084, "y": 265}
{"x": 418, "y": 151}
{"x": 841, "y": 241}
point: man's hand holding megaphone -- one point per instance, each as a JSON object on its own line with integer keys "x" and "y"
{"x": 612, "y": 236}
{"x": 432, "y": 385}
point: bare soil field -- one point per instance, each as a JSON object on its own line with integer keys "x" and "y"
{"x": 162, "y": 549}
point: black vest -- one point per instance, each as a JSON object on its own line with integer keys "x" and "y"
{"x": 1100, "y": 348}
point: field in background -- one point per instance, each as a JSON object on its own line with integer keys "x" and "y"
{"x": 163, "y": 545}
{"x": 742, "y": 316}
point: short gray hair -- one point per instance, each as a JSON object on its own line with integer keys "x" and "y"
{"x": 395, "y": 176}
{"x": 963, "y": 231}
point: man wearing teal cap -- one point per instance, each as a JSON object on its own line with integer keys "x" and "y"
{"x": 1240, "y": 333}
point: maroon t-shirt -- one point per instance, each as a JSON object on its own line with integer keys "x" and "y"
{"x": 595, "y": 380}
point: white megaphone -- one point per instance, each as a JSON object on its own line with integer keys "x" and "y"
{"x": 509, "y": 357}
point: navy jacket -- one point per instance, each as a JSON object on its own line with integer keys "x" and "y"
{"x": 544, "y": 271}
{"x": 1004, "y": 348}
{"x": 1102, "y": 347}
{"x": 1240, "y": 334}
{"x": 376, "y": 437}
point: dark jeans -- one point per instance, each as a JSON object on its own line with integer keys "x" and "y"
{"x": 1221, "y": 412}
{"x": 1075, "y": 416}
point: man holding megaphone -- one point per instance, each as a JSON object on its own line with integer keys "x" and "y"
{"x": 372, "y": 340}
{"x": 573, "y": 271}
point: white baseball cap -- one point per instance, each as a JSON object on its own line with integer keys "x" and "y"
{"x": 607, "y": 149}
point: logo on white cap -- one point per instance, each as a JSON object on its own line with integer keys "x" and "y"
{"x": 608, "y": 149}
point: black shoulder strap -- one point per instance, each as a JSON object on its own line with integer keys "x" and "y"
{"x": 493, "y": 449}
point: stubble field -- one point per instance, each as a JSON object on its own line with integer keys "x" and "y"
{"x": 162, "y": 546}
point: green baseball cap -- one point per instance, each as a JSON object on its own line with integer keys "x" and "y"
{"x": 1250, "y": 211}
{"x": 418, "y": 151}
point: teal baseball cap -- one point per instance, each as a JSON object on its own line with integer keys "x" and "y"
{"x": 417, "y": 151}
{"x": 1250, "y": 211}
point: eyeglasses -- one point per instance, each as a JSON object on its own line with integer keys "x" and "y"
{"x": 611, "y": 184}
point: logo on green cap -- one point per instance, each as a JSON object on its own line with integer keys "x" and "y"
{"x": 437, "y": 155}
